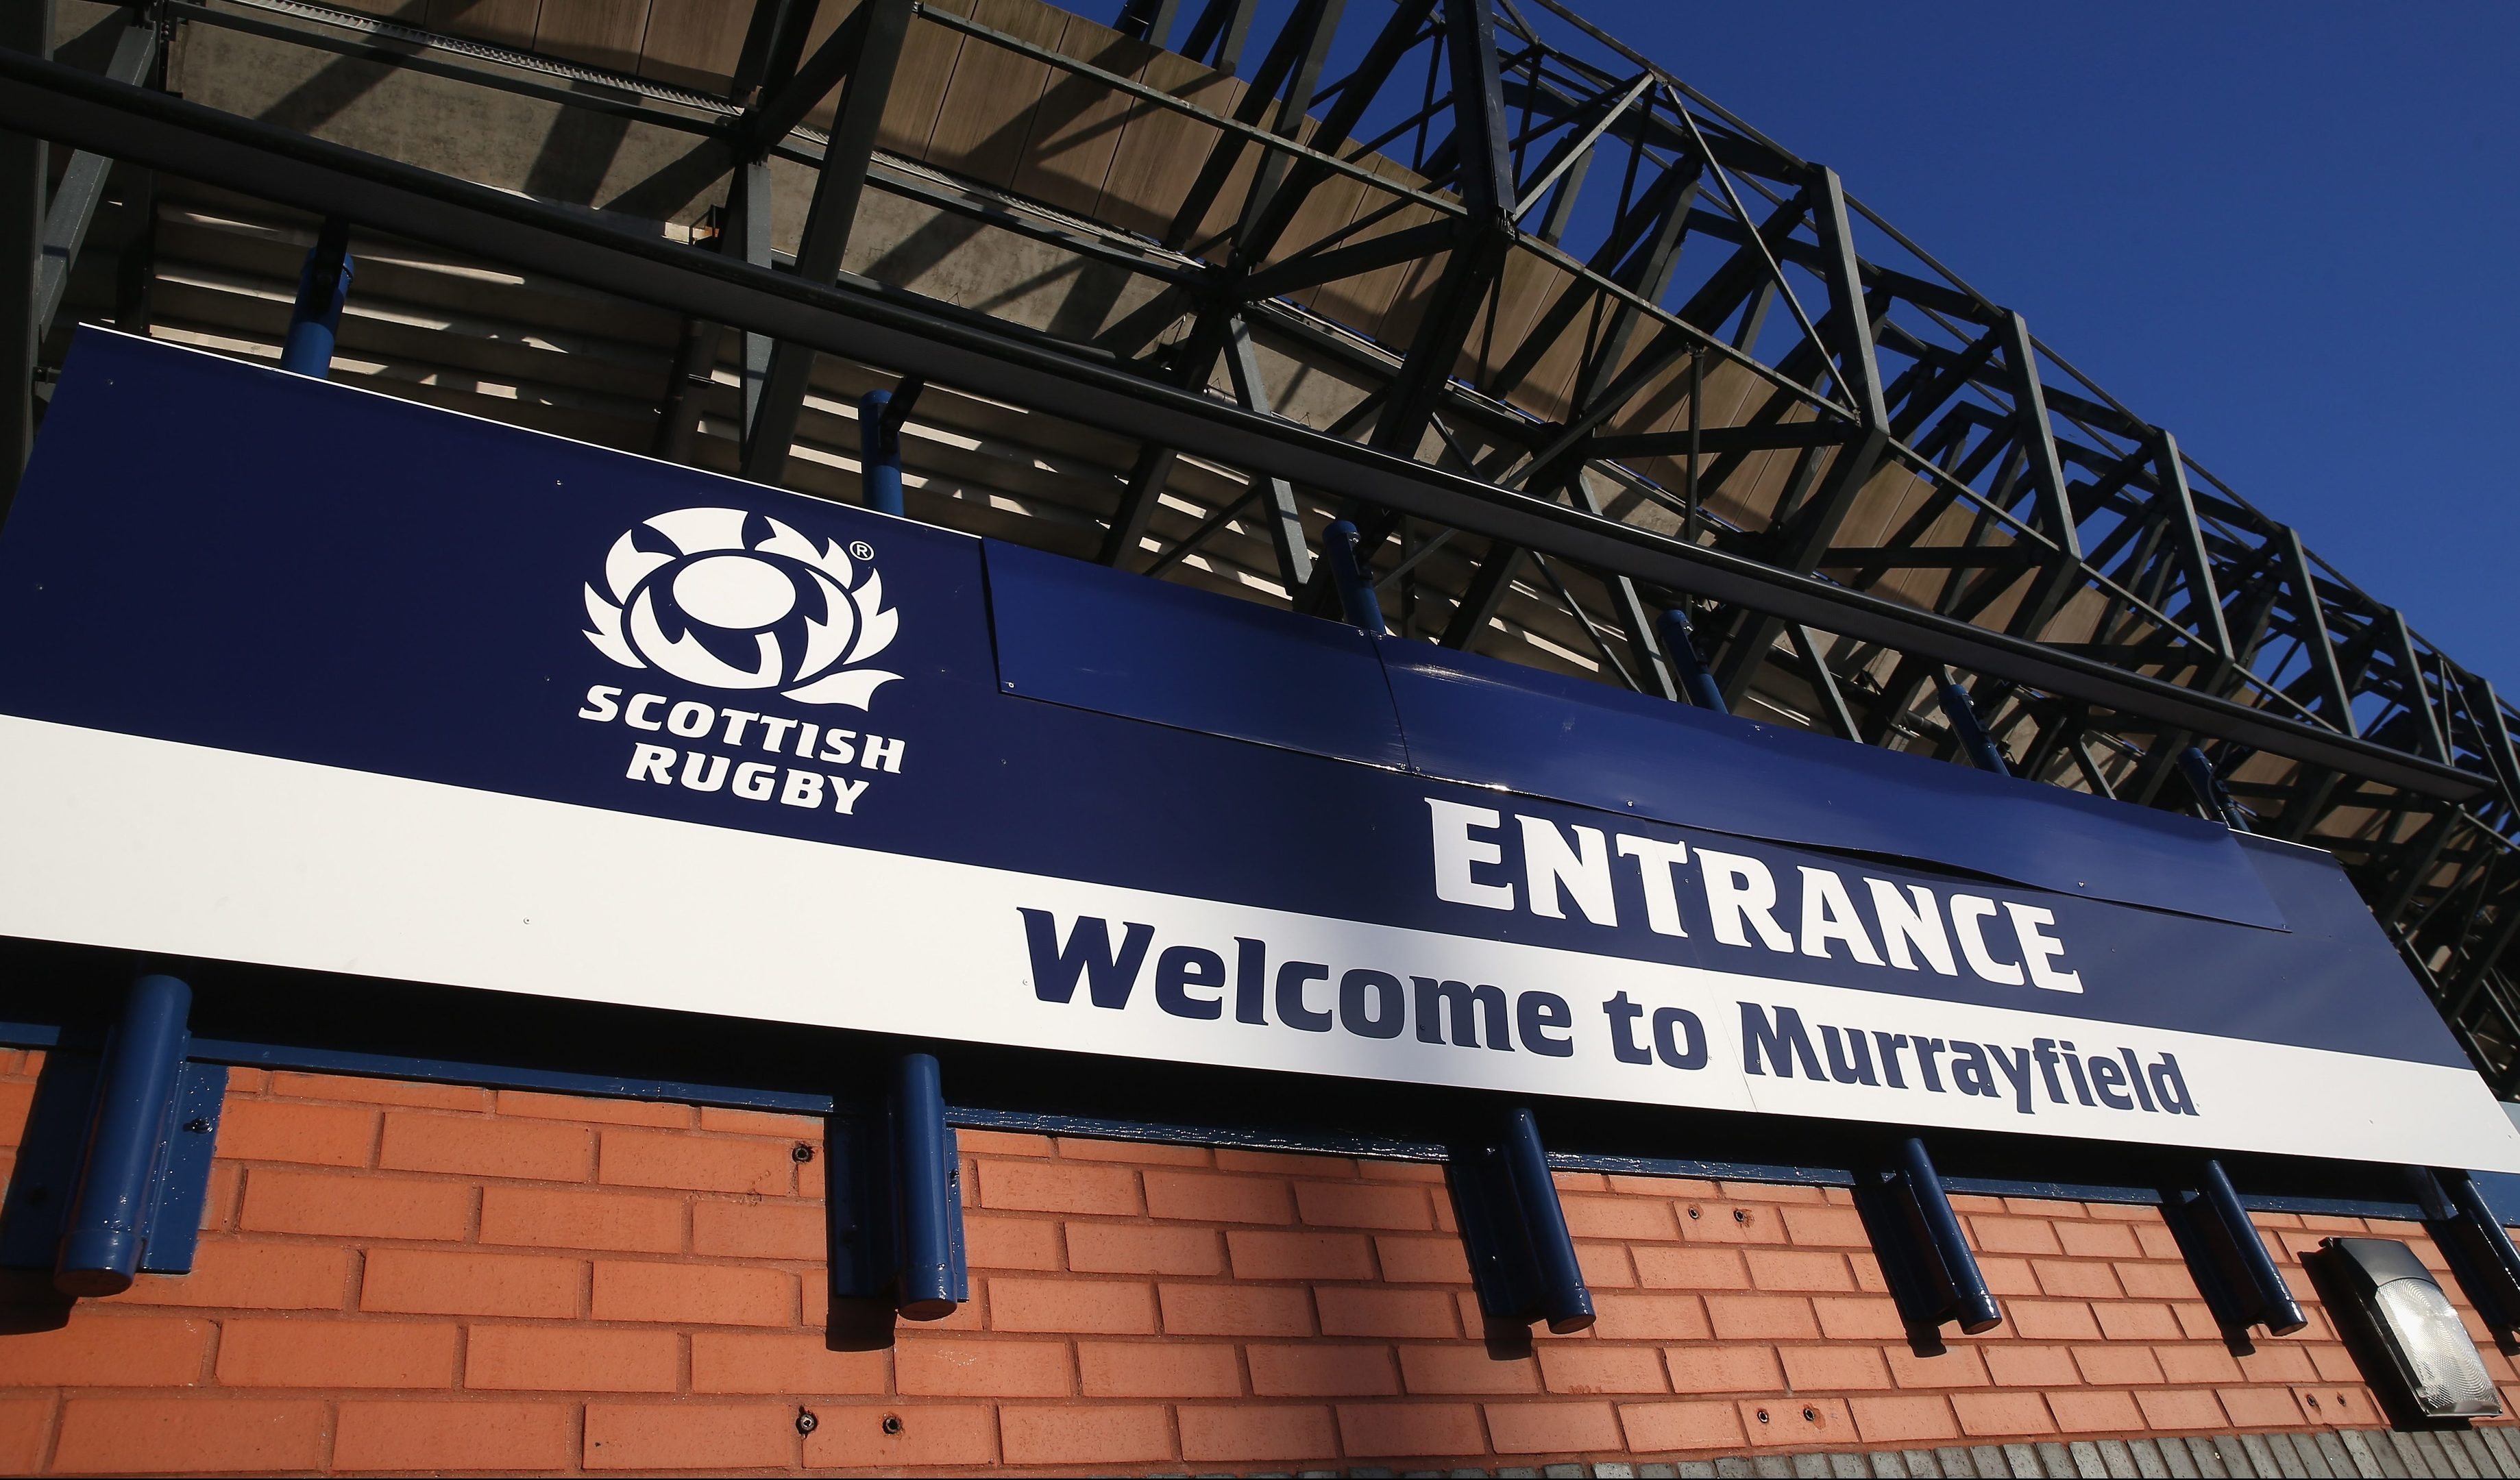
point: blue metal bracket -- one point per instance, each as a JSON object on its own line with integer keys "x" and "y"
{"x": 2232, "y": 1269}
{"x": 2211, "y": 793}
{"x": 323, "y": 287}
{"x": 1357, "y": 601}
{"x": 2463, "y": 1225}
{"x": 1933, "y": 1274}
{"x": 880, "y": 415}
{"x": 1971, "y": 730}
{"x": 1679, "y": 644}
{"x": 1523, "y": 1259}
{"x": 116, "y": 1164}
{"x": 895, "y": 1200}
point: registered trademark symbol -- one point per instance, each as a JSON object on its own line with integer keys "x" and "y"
{"x": 860, "y": 550}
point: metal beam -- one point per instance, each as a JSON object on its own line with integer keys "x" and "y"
{"x": 82, "y": 185}
{"x": 2326, "y": 672}
{"x": 1286, "y": 521}
{"x": 904, "y": 335}
{"x": 26, "y": 32}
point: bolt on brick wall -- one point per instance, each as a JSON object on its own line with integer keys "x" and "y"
{"x": 400, "y": 1277}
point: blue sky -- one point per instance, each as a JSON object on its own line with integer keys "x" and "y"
{"x": 2291, "y": 234}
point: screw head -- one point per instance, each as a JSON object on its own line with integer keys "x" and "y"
{"x": 893, "y": 1423}
{"x": 1763, "y": 1415}
{"x": 802, "y": 1152}
{"x": 198, "y": 1125}
{"x": 806, "y": 1423}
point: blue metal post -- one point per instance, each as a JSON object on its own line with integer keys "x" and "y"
{"x": 880, "y": 454}
{"x": 2209, "y": 788}
{"x": 107, "y": 1231}
{"x": 2271, "y": 1299}
{"x": 1565, "y": 1303}
{"x": 323, "y": 287}
{"x": 929, "y": 1283}
{"x": 1973, "y": 1303}
{"x": 2451, "y": 1196}
{"x": 1357, "y": 600}
{"x": 1679, "y": 644}
{"x": 1967, "y": 725}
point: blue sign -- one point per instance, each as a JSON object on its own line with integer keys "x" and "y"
{"x": 296, "y": 674}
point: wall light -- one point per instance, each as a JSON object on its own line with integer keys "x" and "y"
{"x": 2414, "y": 1347}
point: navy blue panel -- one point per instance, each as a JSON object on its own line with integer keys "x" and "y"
{"x": 1079, "y": 633}
{"x": 1497, "y": 724}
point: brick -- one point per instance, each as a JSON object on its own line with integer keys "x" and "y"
{"x": 265, "y": 1130}
{"x": 218, "y": 1204}
{"x": 2137, "y": 1320}
{"x": 953, "y": 1368}
{"x": 1795, "y": 1421}
{"x": 1826, "y": 1228}
{"x": 1056, "y": 1186}
{"x": 1217, "y": 1310}
{"x": 1260, "y": 1254}
{"x": 2117, "y": 1366}
{"x": 1904, "y": 1420}
{"x": 1724, "y": 1369}
{"x": 102, "y": 1348}
{"x": 1464, "y": 1368}
{"x": 2262, "y": 1406}
{"x": 763, "y": 1362}
{"x": 1418, "y": 1431}
{"x": 2181, "y": 1408}
{"x": 2053, "y": 1320}
{"x": 336, "y": 1354}
{"x": 2196, "y": 1320}
{"x": 1952, "y": 1367}
{"x": 694, "y": 1163}
{"x": 1547, "y": 1428}
{"x": 1690, "y": 1267}
{"x": 1264, "y": 1432}
{"x": 2012, "y": 1365}
{"x": 1422, "y": 1261}
{"x": 1664, "y": 1427}
{"x": 394, "y": 1092}
{"x": 1760, "y": 1317}
{"x": 377, "y": 1435}
{"x": 1102, "y": 1434}
{"x": 1069, "y": 1307}
{"x": 696, "y": 1294}
{"x": 2013, "y": 1235}
{"x": 1605, "y": 1265}
{"x": 2278, "y": 1362}
{"x": 2095, "y": 1412}
{"x": 369, "y": 1206}
{"x": 931, "y": 1434}
{"x": 1136, "y": 1249}
{"x": 1136, "y": 1152}
{"x": 480, "y": 1146}
{"x": 759, "y": 1230}
{"x": 26, "y": 1423}
{"x": 564, "y": 1218}
{"x": 1593, "y": 1366}
{"x": 1859, "y": 1317}
{"x": 661, "y": 1114}
{"x": 728, "y": 1120}
{"x": 2156, "y": 1281}
{"x": 426, "y": 1282}
{"x": 2076, "y": 1280}
{"x": 131, "y": 1435}
{"x": 1009, "y": 1243}
{"x": 1003, "y": 1143}
{"x": 2009, "y": 1276}
{"x": 237, "y": 1274}
{"x": 2156, "y": 1242}
{"x": 1833, "y": 1368}
{"x": 571, "y": 1359}
{"x": 2098, "y": 1241}
{"x": 1320, "y": 1369}
{"x": 1797, "y": 1270}
{"x": 1157, "y": 1369}
{"x": 1398, "y": 1207}
{"x": 1429, "y": 1171}
{"x": 1216, "y": 1198}
{"x": 1986, "y": 1415}
{"x": 712, "y": 1436}
{"x": 1285, "y": 1164}
{"x": 1644, "y": 1218}
{"x": 1380, "y": 1312}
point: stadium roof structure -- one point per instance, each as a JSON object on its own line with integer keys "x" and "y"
{"x": 1173, "y": 288}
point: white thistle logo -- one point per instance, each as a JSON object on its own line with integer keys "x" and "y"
{"x": 730, "y": 613}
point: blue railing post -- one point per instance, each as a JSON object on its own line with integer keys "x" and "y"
{"x": 1679, "y": 644}
{"x": 323, "y": 287}
{"x": 2472, "y": 1235}
{"x": 1971, "y": 730}
{"x": 928, "y": 1279}
{"x": 107, "y": 1231}
{"x": 1514, "y": 1228}
{"x": 879, "y": 451}
{"x": 1566, "y": 1302}
{"x": 2211, "y": 793}
{"x": 1357, "y": 601}
{"x": 2256, "y": 1285}
{"x": 1964, "y": 1291}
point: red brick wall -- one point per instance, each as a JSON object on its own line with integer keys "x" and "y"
{"x": 426, "y": 1277}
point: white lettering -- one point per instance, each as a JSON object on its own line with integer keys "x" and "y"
{"x": 837, "y": 749}
{"x": 1829, "y": 913}
{"x": 753, "y": 780}
{"x": 804, "y": 788}
{"x": 1456, "y": 851}
{"x": 1584, "y": 871}
{"x": 1967, "y": 909}
{"x": 699, "y": 774}
{"x": 846, "y": 791}
{"x": 1920, "y": 925}
{"x": 1738, "y": 889}
{"x": 735, "y": 720}
{"x": 2039, "y": 948}
{"x": 773, "y": 732}
{"x": 882, "y": 754}
{"x": 599, "y": 703}
{"x": 652, "y": 763}
{"x": 637, "y": 717}
{"x": 1654, "y": 860}
{"x": 691, "y": 719}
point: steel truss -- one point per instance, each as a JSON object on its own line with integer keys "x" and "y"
{"x": 1621, "y": 353}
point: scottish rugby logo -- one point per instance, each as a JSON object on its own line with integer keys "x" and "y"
{"x": 730, "y": 600}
